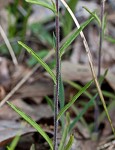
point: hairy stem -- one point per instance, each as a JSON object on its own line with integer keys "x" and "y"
{"x": 57, "y": 77}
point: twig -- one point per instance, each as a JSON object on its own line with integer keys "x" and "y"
{"x": 96, "y": 113}
{"x": 56, "y": 97}
{"x": 23, "y": 80}
{"x": 90, "y": 63}
{"x": 8, "y": 46}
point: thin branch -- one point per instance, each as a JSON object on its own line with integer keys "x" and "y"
{"x": 57, "y": 76}
{"x": 90, "y": 63}
{"x": 14, "y": 59}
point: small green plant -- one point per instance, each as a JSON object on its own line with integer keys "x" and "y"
{"x": 58, "y": 84}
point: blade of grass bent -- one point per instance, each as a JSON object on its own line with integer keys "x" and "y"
{"x": 46, "y": 67}
{"x": 73, "y": 36}
{"x": 32, "y": 123}
{"x": 69, "y": 144}
{"x": 73, "y": 100}
{"x": 94, "y": 15}
{"x": 42, "y": 3}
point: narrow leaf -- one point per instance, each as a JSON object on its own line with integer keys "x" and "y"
{"x": 50, "y": 102}
{"x": 32, "y": 123}
{"x": 70, "y": 142}
{"x": 14, "y": 143}
{"x": 73, "y": 100}
{"x": 42, "y": 3}
{"x": 65, "y": 133}
{"x": 46, "y": 67}
{"x": 89, "y": 104}
{"x": 73, "y": 36}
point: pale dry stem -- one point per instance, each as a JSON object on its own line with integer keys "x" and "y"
{"x": 14, "y": 59}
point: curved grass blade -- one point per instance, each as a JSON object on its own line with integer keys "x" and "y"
{"x": 73, "y": 36}
{"x": 73, "y": 100}
{"x": 14, "y": 143}
{"x": 43, "y": 3}
{"x": 32, "y": 123}
{"x": 46, "y": 67}
{"x": 70, "y": 142}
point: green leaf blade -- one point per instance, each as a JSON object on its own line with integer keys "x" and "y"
{"x": 70, "y": 142}
{"x": 73, "y": 36}
{"x": 46, "y": 67}
{"x": 89, "y": 104}
{"x": 42, "y": 3}
{"x": 73, "y": 100}
{"x": 32, "y": 123}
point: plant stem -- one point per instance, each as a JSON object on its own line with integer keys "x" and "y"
{"x": 57, "y": 77}
{"x": 96, "y": 113}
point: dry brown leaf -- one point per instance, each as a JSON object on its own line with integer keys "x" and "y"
{"x": 39, "y": 88}
{"x": 71, "y": 71}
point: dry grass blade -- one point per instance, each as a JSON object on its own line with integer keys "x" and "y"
{"x": 90, "y": 63}
{"x": 8, "y": 46}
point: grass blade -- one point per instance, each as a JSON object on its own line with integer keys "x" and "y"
{"x": 50, "y": 102}
{"x": 89, "y": 104}
{"x": 42, "y": 3}
{"x": 70, "y": 142}
{"x": 14, "y": 143}
{"x": 65, "y": 133}
{"x": 46, "y": 67}
{"x": 32, "y": 123}
{"x": 73, "y": 100}
{"x": 73, "y": 36}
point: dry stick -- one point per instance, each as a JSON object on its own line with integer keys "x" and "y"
{"x": 56, "y": 94}
{"x": 90, "y": 63}
{"x": 96, "y": 113}
{"x": 8, "y": 46}
{"x": 23, "y": 80}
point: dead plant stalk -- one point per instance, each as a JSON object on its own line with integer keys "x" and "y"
{"x": 14, "y": 59}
